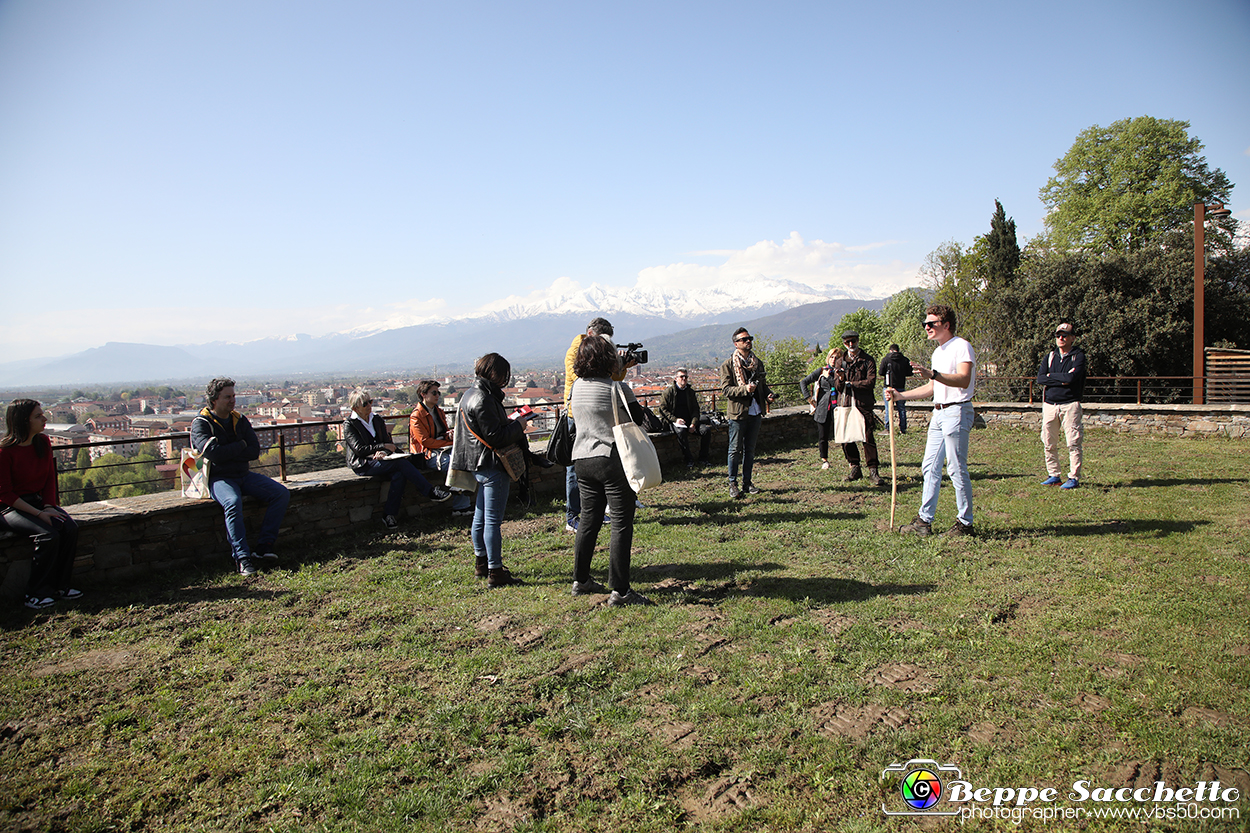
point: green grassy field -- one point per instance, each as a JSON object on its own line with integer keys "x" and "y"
{"x": 797, "y": 649}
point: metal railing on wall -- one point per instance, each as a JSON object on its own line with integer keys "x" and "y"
{"x": 290, "y": 459}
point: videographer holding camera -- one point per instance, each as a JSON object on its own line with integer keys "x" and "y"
{"x": 745, "y": 388}
{"x": 602, "y": 328}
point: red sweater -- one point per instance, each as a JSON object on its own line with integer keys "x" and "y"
{"x": 23, "y": 472}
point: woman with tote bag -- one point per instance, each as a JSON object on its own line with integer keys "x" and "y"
{"x": 601, "y": 477}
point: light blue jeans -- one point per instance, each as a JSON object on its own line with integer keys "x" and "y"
{"x": 492, "y": 501}
{"x": 948, "y": 442}
{"x": 229, "y": 492}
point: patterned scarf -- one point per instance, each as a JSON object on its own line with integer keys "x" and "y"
{"x": 745, "y": 368}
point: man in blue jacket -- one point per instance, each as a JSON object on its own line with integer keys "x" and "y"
{"x": 228, "y": 441}
{"x": 1062, "y": 376}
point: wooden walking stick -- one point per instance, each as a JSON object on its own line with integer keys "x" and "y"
{"x": 889, "y": 414}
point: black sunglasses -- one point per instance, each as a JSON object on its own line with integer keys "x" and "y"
{"x": 1063, "y": 334}
{"x": 745, "y": 338}
{"x": 929, "y": 325}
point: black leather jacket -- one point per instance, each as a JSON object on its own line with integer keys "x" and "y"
{"x": 823, "y": 393}
{"x": 358, "y": 446}
{"x": 481, "y": 412}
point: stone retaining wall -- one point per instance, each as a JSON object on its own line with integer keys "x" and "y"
{"x": 132, "y": 537}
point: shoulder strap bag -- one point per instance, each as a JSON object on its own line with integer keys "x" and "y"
{"x": 848, "y": 422}
{"x": 511, "y": 458}
{"x": 637, "y": 452}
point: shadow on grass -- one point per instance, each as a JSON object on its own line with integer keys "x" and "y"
{"x": 828, "y": 589}
{"x": 715, "y": 580}
{"x": 1148, "y": 482}
{"x": 710, "y": 570}
{"x": 1149, "y": 528}
{"x": 718, "y": 519}
{"x": 108, "y": 598}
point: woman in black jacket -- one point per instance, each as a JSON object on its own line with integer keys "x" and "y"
{"x": 824, "y": 399}
{"x": 368, "y": 444}
{"x": 482, "y": 426}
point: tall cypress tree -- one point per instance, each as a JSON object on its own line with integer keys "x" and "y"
{"x": 1003, "y": 252}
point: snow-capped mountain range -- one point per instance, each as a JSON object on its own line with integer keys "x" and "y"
{"x": 531, "y": 332}
{"x": 759, "y": 294}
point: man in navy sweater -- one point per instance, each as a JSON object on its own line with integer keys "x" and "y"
{"x": 1062, "y": 376}
{"x": 226, "y": 438}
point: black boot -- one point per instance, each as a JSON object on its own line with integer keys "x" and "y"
{"x": 855, "y": 474}
{"x": 502, "y": 578}
{"x": 873, "y": 477}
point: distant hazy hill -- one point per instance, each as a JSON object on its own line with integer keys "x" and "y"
{"x": 536, "y": 341}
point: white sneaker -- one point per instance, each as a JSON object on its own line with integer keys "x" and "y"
{"x": 589, "y": 587}
{"x": 633, "y": 597}
{"x": 824, "y": 465}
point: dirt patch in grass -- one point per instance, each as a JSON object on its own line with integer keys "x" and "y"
{"x": 986, "y": 733}
{"x": 832, "y": 621}
{"x": 1091, "y": 703}
{"x": 677, "y": 734}
{"x": 903, "y": 677}
{"x": 838, "y": 720}
{"x": 527, "y": 638}
{"x": 1195, "y": 715}
{"x": 494, "y": 623}
{"x": 102, "y": 660}
{"x": 725, "y": 796}
{"x": 501, "y": 812}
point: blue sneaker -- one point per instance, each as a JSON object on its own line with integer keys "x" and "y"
{"x": 1051, "y": 481}
{"x": 1070, "y": 483}
{"x": 571, "y": 526}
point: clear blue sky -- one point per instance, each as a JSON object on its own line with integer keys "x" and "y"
{"x": 179, "y": 172}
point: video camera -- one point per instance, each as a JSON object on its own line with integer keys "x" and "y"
{"x": 632, "y": 353}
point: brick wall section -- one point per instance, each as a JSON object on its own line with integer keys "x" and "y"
{"x": 131, "y": 537}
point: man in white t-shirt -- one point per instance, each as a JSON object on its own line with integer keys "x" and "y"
{"x": 952, "y": 380}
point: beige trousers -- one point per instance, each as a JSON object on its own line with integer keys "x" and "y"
{"x": 1067, "y": 415}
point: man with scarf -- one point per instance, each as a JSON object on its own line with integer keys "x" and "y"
{"x": 857, "y": 375}
{"x": 746, "y": 395}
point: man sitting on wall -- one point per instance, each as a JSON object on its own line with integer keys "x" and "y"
{"x": 680, "y": 406}
{"x": 226, "y": 439}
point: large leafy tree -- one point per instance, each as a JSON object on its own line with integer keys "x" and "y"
{"x": 1133, "y": 311}
{"x": 785, "y": 362}
{"x": 956, "y": 277}
{"x": 867, "y": 323}
{"x": 900, "y": 324}
{"x": 1120, "y": 186}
